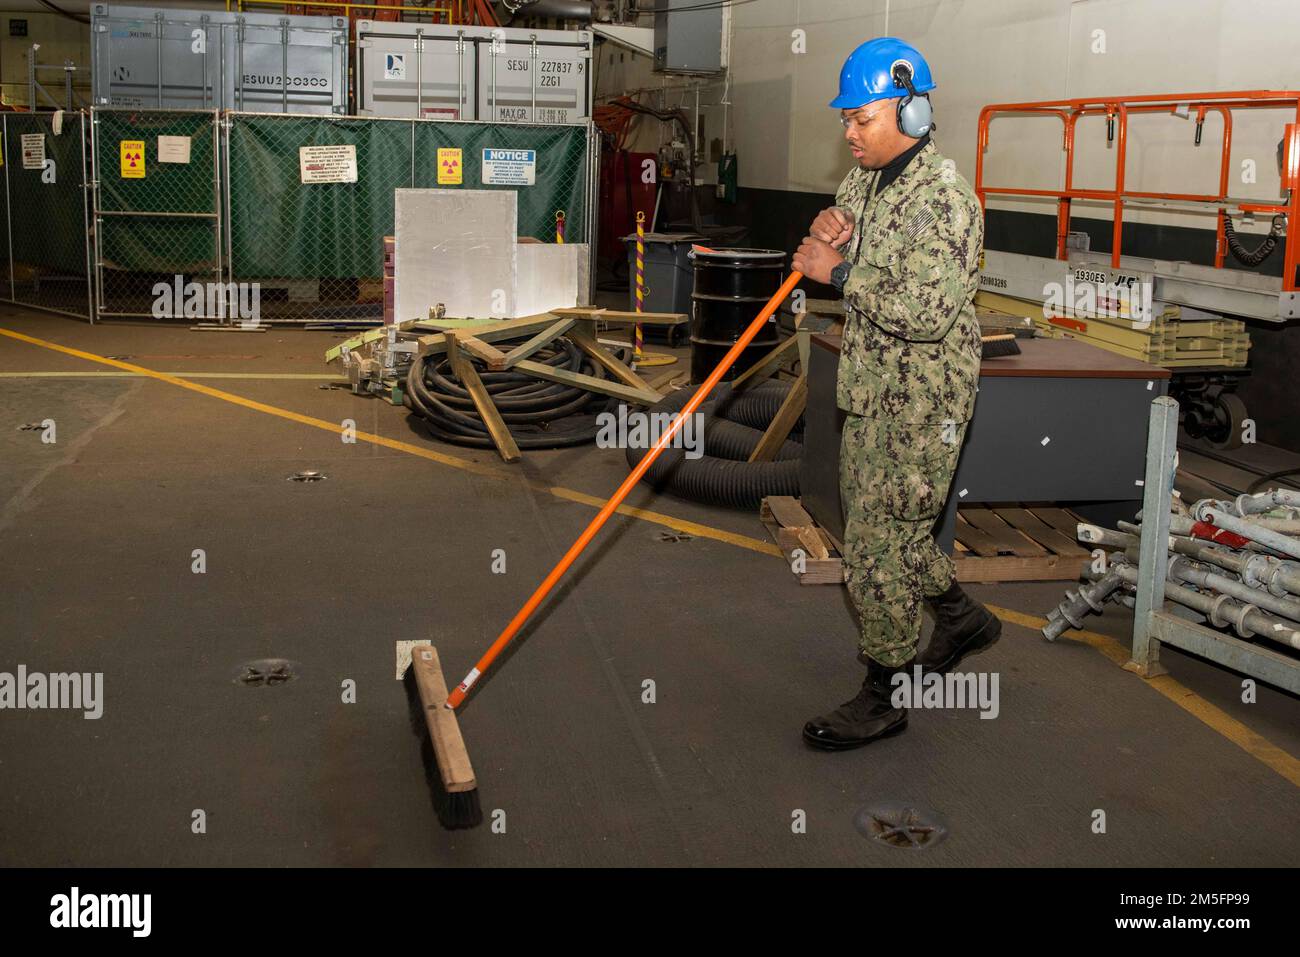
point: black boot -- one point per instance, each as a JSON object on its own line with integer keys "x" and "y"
{"x": 962, "y": 627}
{"x": 864, "y": 719}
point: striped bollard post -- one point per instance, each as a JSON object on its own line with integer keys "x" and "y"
{"x": 640, "y": 285}
{"x": 559, "y": 226}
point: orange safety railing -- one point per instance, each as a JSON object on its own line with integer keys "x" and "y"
{"x": 1117, "y": 111}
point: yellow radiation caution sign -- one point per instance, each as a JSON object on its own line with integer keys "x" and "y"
{"x": 132, "y": 159}
{"x": 450, "y": 167}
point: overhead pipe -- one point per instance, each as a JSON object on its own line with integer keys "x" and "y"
{"x": 562, "y": 9}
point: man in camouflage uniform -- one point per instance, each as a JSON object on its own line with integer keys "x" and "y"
{"x": 903, "y": 244}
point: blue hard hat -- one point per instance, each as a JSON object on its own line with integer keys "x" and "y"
{"x": 868, "y": 73}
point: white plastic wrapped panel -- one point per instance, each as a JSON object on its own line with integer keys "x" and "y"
{"x": 546, "y": 277}
{"x": 457, "y": 247}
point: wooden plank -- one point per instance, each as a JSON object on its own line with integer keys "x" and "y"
{"x": 1010, "y": 568}
{"x": 664, "y": 378}
{"x": 590, "y": 383}
{"x": 974, "y": 539}
{"x": 812, "y": 543}
{"x": 1041, "y": 532}
{"x": 547, "y": 335}
{"x": 588, "y": 344}
{"x": 765, "y": 366}
{"x": 787, "y": 511}
{"x": 464, "y": 370}
{"x": 481, "y": 350}
{"x": 1008, "y": 539}
{"x": 436, "y": 344}
{"x": 826, "y": 571}
{"x": 623, "y": 317}
{"x": 1061, "y": 520}
{"x": 448, "y": 745}
{"x": 786, "y": 416}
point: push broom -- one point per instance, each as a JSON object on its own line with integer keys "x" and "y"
{"x": 455, "y": 699}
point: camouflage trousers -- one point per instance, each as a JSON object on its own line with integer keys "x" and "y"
{"x": 894, "y": 479}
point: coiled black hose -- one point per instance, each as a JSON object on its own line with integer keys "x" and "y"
{"x": 1252, "y": 257}
{"x": 757, "y": 406}
{"x": 722, "y": 476}
{"x": 539, "y": 414}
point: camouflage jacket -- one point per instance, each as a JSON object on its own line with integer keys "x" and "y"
{"x": 911, "y": 350}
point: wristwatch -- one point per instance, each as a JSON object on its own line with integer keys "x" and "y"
{"x": 840, "y": 275}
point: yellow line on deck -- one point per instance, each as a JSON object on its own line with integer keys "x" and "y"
{"x": 645, "y": 515}
{"x": 1257, "y": 746}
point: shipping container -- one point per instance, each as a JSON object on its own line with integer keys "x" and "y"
{"x": 473, "y": 73}
{"x": 535, "y": 76}
{"x": 197, "y": 59}
{"x": 417, "y": 69}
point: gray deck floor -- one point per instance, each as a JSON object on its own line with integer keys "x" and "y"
{"x": 97, "y": 531}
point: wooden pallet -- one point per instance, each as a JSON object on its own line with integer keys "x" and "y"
{"x": 995, "y": 544}
{"x": 1015, "y": 544}
{"x": 794, "y": 530}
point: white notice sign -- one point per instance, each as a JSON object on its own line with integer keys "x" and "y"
{"x": 394, "y": 66}
{"x": 173, "y": 149}
{"x": 509, "y": 167}
{"x": 327, "y": 164}
{"x": 33, "y": 150}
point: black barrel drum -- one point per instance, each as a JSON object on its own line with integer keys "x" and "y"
{"x": 731, "y": 286}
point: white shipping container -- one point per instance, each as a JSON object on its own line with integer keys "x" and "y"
{"x": 417, "y": 69}
{"x": 535, "y": 76}
{"x": 473, "y": 73}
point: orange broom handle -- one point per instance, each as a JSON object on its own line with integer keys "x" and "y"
{"x": 457, "y": 696}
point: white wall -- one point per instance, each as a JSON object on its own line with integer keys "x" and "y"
{"x": 988, "y": 51}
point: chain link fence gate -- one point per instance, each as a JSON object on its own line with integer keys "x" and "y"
{"x": 315, "y": 249}
{"x": 46, "y": 241}
{"x": 157, "y": 214}
{"x": 124, "y": 212}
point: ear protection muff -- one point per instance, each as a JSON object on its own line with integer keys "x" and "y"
{"x": 915, "y": 115}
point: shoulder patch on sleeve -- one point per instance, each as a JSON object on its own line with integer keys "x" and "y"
{"x": 921, "y": 221}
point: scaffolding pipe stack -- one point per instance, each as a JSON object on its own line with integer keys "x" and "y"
{"x": 1234, "y": 562}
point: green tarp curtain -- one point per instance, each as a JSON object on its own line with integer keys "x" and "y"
{"x": 561, "y": 169}
{"x": 47, "y": 206}
{"x": 282, "y": 227}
